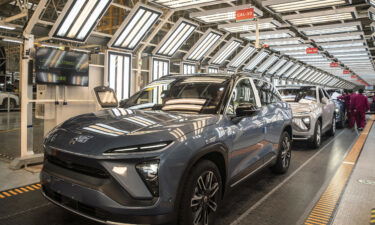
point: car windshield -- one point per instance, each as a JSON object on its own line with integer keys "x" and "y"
{"x": 182, "y": 94}
{"x": 298, "y": 94}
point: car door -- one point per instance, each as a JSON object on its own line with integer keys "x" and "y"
{"x": 248, "y": 132}
{"x": 273, "y": 123}
{"x": 326, "y": 110}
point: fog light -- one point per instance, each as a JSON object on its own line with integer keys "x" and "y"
{"x": 149, "y": 171}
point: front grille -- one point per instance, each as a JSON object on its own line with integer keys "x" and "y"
{"x": 77, "y": 206}
{"x": 84, "y": 169}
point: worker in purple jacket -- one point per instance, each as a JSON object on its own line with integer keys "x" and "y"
{"x": 359, "y": 106}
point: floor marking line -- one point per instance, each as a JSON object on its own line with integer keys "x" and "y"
{"x": 259, "y": 202}
{"x": 19, "y": 190}
{"x": 25, "y": 211}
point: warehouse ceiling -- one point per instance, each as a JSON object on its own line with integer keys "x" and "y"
{"x": 205, "y": 32}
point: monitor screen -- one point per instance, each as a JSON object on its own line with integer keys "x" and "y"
{"x": 54, "y": 66}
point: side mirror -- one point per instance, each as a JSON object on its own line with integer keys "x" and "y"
{"x": 123, "y": 103}
{"x": 246, "y": 110}
{"x": 325, "y": 100}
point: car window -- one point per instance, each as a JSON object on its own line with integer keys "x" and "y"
{"x": 326, "y": 94}
{"x": 265, "y": 92}
{"x": 321, "y": 94}
{"x": 242, "y": 94}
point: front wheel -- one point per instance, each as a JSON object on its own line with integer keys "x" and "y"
{"x": 317, "y": 139}
{"x": 332, "y": 131}
{"x": 284, "y": 155}
{"x": 201, "y": 195}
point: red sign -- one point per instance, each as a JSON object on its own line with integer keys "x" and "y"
{"x": 334, "y": 64}
{"x": 311, "y": 50}
{"x": 346, "y": 71}
{"x": 353, "y": 76}
{"x": 245, "y": 14}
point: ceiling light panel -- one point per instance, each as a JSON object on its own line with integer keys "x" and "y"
{"x": 371, "y": 13}
{"x": 173, "y": 4}
{"x": 338, "y": 37}
{"x": 256, "y": 60}
{"x": 135, "y": 27}
{"x": 297, "y": 72}
{"x": 269, "y": 35}
{"x": 343, "y": 44}
{"x": 304, "y": 73}
{"x": 241, "y": 57}
{"x": 78, "y": 19}
{"x": 266, "y": 64}
{"x": 332, "y": 29}
{"x": 246, "y": 26}
{"x": 283, "y": 41}
{"x": 347, "y": 50}
{"x": 284, "y": 68}
{"x": 292, "y": 70}
{"x": 223, "y": 14}
{"x": 226, "y": 51}
{"x": 371, "y": 2}
{"x": 204, "y": 45}
{"x": 175, "y": 38}
{"x": 322, "y": 16}
{"x": 282, "y": 6}
{"x": 291, "y": 47}
{"x": 277, "y": 66}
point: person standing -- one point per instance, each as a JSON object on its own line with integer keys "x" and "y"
{"x": 346, "y": 98}
{"x": 359, "y": 106}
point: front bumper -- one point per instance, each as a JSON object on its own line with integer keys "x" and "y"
{"x": 89, "y": 188}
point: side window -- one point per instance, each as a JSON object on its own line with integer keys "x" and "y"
{"x": 242, "y": 94}
{"x": 321, "y": 94}
{"x": 326, "y": 94}
{"x": 264, "y": 90}
{"x": 275, "y": 96}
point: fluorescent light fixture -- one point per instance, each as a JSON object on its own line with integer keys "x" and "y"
{"x": 135, "y": 27}
{"x": 292, "y": 70}
{"x": 371, "y": 13}
{"x": 175, "y": 38}
{"x": 266, "y": 64}
{"x": 204, "y": 46}
{"x": 291, "y": 47}
{"x": 352, "y": 54}
{"x": 332, "y": 29}
{"x": 212, "y": 70}
{"x": 188, "y": 68}
{"x": 223, "y": 14}
{"x": 277, "y": 66}
{"x": 245, "y": 26}
{"x": 307, "y": 75}
{"x": 347, "y": 50}
{"x": 284, "y": 68}
{"x": 322, "y": 16}
{"x": 344, "y": 59}
{"x": 338, "y": 37}
{"x": 173, "y": 4}
{"x": 12, "y": 40}
{"x": 283, "y": 41}
{"x": 160, "y": 67}
{"x": 119, "y": 73}
{"x": 297, "y": 72}
{"x": 256, "y": 60}
{"x": 7, "y": 26}
{"x": 226, "y": 51}
{"x": 306, "y": 71}
{"x": 343, "y": 44}
{"x": 269, "y": 35}
{"x": 241, "y": 57}
{"x": 78, "y": 19}
{"x": 282, "y": 6}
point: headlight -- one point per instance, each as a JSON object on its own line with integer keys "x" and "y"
{"x": 138, "y": 148}
{"x": 149, "y": 171}
{"x": 306, "y": 120}
{"x": 337, "y": 110}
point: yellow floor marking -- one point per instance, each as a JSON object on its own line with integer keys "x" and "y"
{"x": 30, "y": 188}
{"x": 13, "y": 193}
{"x": 24, "y": 189}
{"x": 34, "y": 186}
{"x": 19, "y": 191}
{"x": 2, "y": 196}
{"x": 6, "y": 194}
{"x": 329, "y": 199}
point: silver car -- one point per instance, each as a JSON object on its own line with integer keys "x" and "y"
{"x": 313, "y": 112}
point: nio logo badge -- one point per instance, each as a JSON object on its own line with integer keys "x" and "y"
{"x": 80, "y": 139}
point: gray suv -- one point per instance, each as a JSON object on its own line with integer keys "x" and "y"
{"x": 170, "y": 153}
{"x": 313, "y": 112}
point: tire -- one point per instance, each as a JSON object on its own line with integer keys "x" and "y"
{"x": 332, "y": 131}
{"x": 317, "y": 139}
{"x": 200, "y": 200}
{"x": 12, "y": 104}
{"x": 341, "y": 124}
{"x": 284, "y": 155}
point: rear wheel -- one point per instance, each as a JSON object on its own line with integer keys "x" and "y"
{"x": 201, "y": 195}
{"x": 284, "y": 156}
{"x": 317, "y": 139}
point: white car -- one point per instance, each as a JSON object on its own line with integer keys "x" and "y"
{"x": 313, "y": 112}
{"x": 14, "y": 100}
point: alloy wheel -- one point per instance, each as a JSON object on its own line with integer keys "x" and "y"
{"x": 334, "y": 125}
{"x": 205, "y": 198}
{"x": 286, "y": 152}
{"x": 318, "y": 135}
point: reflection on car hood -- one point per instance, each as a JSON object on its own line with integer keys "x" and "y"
{"x": 116, "y": 128}
{"x": 303, "y": 107}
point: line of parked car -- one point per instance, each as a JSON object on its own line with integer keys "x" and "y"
{"x": 173, "y": 150}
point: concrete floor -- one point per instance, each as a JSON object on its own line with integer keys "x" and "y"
{"x": 264, "y": 199}
{"x": 10, "y": 135}
{"x": 15, "y": 178}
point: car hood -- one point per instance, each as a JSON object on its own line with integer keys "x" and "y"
{"x": 95, "y": 133}
{"x": 303, "y": 107}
